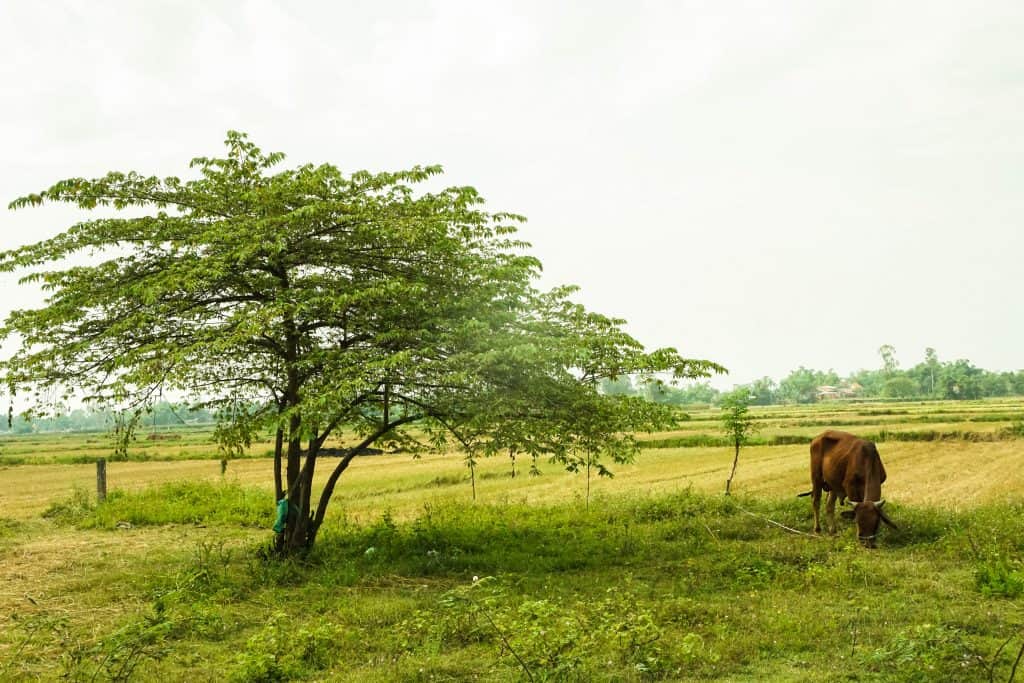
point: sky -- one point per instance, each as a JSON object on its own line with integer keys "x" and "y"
{"x": 763, "y": 184}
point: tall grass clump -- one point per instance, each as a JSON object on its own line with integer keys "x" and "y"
{"x": 223, "y": 503}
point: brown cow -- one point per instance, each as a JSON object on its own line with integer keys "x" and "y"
{"x": 848, "y": 467}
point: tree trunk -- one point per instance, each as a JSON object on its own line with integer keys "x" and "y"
{"x": 472, "y": 477}
{"x": 735, "y": 461}
{"x": 278, "y": 453}
{"x": 303, "y": 525}
{"x": 295, "y": 537}
{"x": 588, "y": 480}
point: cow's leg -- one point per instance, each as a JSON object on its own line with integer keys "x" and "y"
{"x": 830, "y": 510}
{"x": 816, "y": 505}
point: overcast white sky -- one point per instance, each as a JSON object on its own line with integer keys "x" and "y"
{"x": 765, "y": 184}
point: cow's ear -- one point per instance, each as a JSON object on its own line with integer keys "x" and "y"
{"x": 847, "y": 514}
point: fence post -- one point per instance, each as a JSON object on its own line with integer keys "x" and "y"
{"x": 101, "y": 479}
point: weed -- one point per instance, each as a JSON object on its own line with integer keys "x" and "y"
{"x": 555, "y": 639}
{"x": 284, "y": 651}
{"x": 74, "y": 509}
{"x": 10, "y": 528}
{"x": 928, "y": 652}
{"x": 116, "y": 656}
{"x": 32, "y": 633}
{"x": 1000, "y": 577}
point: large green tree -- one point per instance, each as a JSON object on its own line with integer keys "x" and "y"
{"x": 317, "y": 304}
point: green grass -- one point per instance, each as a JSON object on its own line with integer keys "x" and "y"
{"x": 660, "y": 587}
{"x": 411, "y": 581}
{"x": 170, "y": 503}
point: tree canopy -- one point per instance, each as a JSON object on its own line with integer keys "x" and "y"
{"x": 330, "y": 305}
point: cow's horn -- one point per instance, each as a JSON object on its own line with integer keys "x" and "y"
{"x": 884, "y": 517}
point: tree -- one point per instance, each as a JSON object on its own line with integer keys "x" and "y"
{"x": 763, "y": 391}
{"x": 960, "y": 379}
{"x": 889, "y": 362}
{"x": 738, "y": 424}
{"x": 1016, "y": 382}
{"x": 931, "y": 367}
{"x": 872, "y": 382}
{"x": 617, "y": 386}
{"x": 316, "y": 304}
{"x": 656, "y": 390}
{"x": 900, "y": 386}
{"x": 801, "y": 385}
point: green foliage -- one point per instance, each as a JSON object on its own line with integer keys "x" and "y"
{"x": 763, "y": 392}
{"x": 1000, "y": 577}
{"x": 320, "y": 301}
{"x": 925, "y": 652}
{"x": 738, "y": 424}
{"x": 284, "y": 651}
{"x": 178, "y": 609}
{"x": 160, "y": 414}
{"x": 662, "y": 587}
{"x": 118, "y": 655}
{"x": 693, "y": 393}
{"x": 801, "y": 385}
{"x": 889, "y": 362}
{"x": 555, "y": 639}
{"x": 170, "y": 503}
{"x": 619, "y": 386}
{"x": 900, "y": 387}
{"x": 74, "y": 509}
{"x": 956, "y": 380}
{"x": 10, "y": 528}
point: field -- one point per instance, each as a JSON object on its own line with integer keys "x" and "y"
{"x": 658, "y": 577}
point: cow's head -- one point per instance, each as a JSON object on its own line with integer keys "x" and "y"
{"x": 869, "y": 514}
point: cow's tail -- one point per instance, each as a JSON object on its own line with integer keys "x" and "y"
{"x": 804, "y": 494}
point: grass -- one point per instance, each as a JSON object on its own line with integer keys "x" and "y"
{"x": 988, "y": 420}
{"x": 640, "y": 587}
{"x": 660, "y": 578}
{"x": 169, "y": 503}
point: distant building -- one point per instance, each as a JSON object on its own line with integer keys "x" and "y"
{"x": 830, "y": 393}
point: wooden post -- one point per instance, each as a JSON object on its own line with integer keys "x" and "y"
{"x": 101, "y": 480}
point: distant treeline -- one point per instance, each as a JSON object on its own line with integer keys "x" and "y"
{"x": 929, "y": 379}
{"x": 163, "y": 414}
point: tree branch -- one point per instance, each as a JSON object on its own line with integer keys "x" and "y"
{"x": 325, "y": 497}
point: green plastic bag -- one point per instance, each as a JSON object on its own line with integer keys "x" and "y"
{"x": 282, "y": 515}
